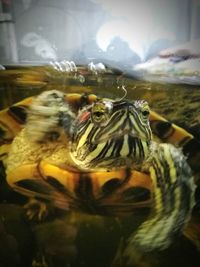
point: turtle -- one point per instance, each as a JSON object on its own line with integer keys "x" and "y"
{"x": 99, "y": 155}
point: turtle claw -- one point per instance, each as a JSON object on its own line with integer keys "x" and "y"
{"x": 36, "y": 209}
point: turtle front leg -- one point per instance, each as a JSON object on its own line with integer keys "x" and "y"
{"x": 36, "y": 209}
{"x": 173, "y": 201}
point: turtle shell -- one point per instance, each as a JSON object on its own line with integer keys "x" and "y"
{"x": 49, "y": 179}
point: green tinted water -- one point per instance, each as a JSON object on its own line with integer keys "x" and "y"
{"x": 73, "y": 240}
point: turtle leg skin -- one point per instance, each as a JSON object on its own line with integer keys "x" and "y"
{"x": 173, "y": 202}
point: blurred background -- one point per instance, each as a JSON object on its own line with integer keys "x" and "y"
{"x": 122, "y": 33}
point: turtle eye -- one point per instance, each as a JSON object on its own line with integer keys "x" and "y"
{"x": 100, "y": 112}
{"x": 145, "y": 113}
{"x": 98, "y": 116}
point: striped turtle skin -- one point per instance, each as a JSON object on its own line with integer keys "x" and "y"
{"x": 81, "y": 152}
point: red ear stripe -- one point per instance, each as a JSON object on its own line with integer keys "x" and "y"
{"x": 84, "y": 116}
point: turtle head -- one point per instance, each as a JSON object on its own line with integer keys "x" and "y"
{"x": 110, "y": 134}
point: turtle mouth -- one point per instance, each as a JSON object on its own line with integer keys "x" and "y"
{"x": 117, "y": 136}
{"x": 112, "y": 151}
